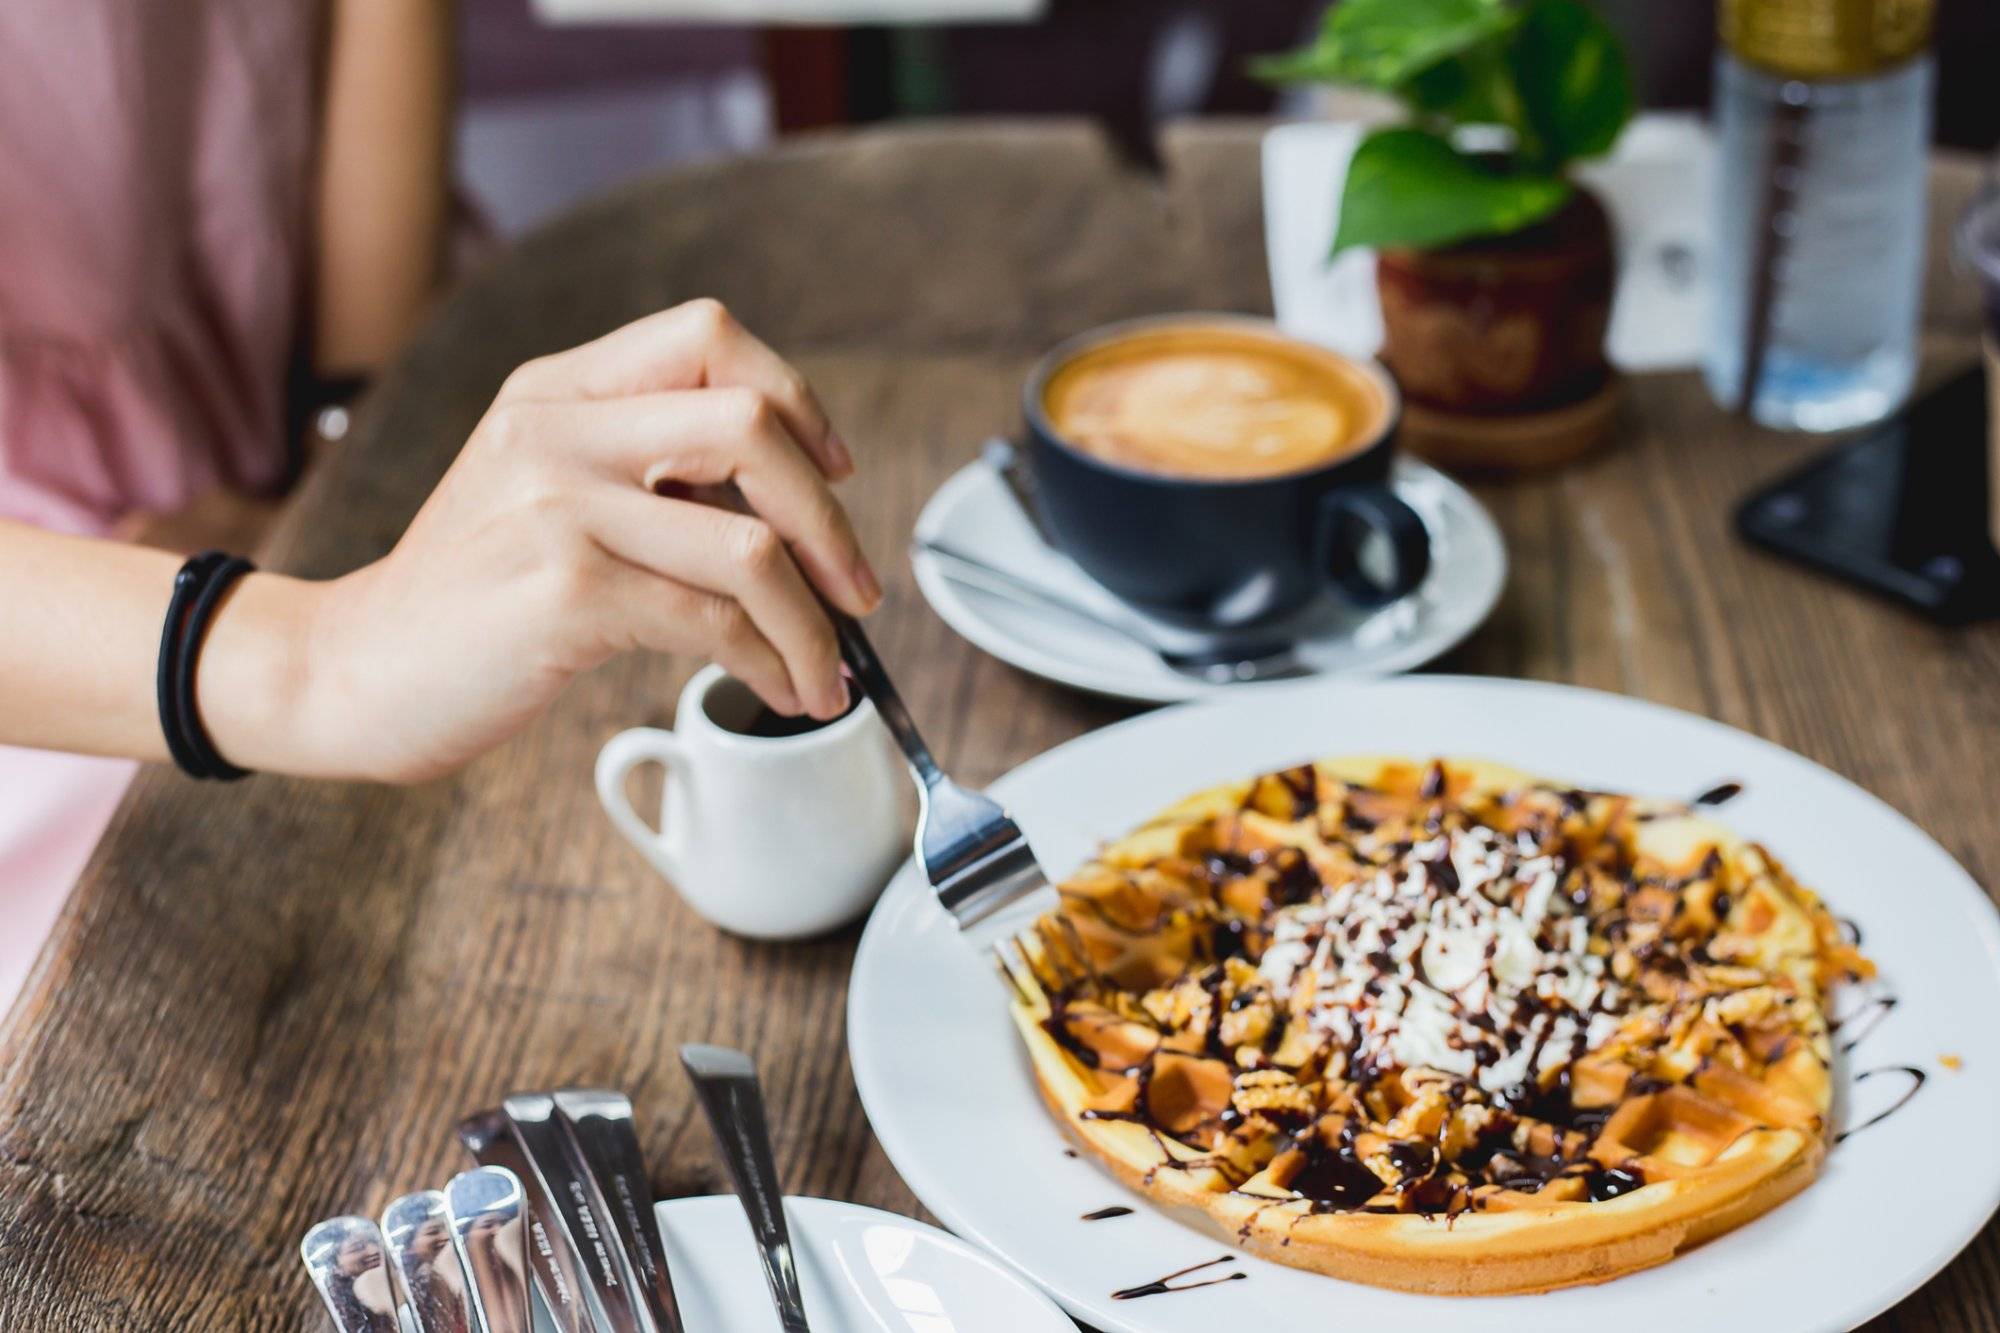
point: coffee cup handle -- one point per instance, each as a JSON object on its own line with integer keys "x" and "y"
{"x": 1372, "y": 545}
{"x": 615, "y": 762}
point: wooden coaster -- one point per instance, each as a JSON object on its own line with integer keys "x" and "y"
{"x": 1523, "y": 442}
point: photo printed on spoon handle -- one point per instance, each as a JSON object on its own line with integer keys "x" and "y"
{"x": 726, "y": 1082}
{"x": 601, "y": 1127}
{"x": 347, "y": 1262}
{"x": 417, "y": 1231}
{"x": 487, "y": 1208}
{"x": 489, "y": 1137}
{"x": 565, "y": 1179}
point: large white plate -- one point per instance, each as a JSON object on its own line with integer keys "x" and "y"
{"x": 946, "y": 1085}
{"x": 859, "y": 1269}
{"x": 975, "y": 512}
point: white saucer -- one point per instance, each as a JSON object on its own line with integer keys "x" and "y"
{"x": 859, "y": 1268}
{"x": 946, "y": 1084}
{"x": 976, "y": 513}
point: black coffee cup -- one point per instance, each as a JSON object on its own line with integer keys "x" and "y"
{"x": 1224, "y": 553}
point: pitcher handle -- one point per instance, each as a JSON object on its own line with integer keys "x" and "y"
{"x": 615, "y": 762}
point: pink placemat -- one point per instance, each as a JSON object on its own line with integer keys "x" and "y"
{"x": 53, "y": 809}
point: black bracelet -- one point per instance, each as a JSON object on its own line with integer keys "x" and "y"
{"x": 187, "y": 585}
{"x": 198, "y": 590}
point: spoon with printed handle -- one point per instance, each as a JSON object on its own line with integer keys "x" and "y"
{"x": 342, "y": 1254}
{"x": 726, "y": 1082}
{"x": 487, "y": 1208}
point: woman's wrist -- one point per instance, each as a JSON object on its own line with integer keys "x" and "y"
{"x": 260, "y": 696}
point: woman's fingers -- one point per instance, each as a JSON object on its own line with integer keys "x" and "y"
{"x": 737, "y": 556}
{"x": 696, "y": 345}
{"x": 713, "y": 437}
{"x": 633, "y": 608}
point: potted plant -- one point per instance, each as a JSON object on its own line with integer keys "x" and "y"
{"x": 1494, "y": 266}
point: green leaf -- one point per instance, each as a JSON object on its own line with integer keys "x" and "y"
{"x": 1455, "y": 91}
{"x": 1384, "y": 43}
{"x": 1576, "y": 87}
{"x": 1408, "y": 187}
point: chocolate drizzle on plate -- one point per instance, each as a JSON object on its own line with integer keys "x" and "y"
{"x": 1916, "y": 1077}
{"x": 1162, "y": 1286}
{"x": 1720, "y": 794}
{"x": 1106, "y": 1214}
{"x": 1864, "y": 1020}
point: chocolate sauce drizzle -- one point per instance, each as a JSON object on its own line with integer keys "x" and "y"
{"x": 1916, "y": 1077}
{"x": 1720, "y": 794}
{"x": 1106, "y": 1214}
{"x": 1162, "y": 1286}
{"x": 1863, "y": 1020}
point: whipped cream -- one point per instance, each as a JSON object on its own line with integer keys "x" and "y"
{"x": 1459, "y": 957}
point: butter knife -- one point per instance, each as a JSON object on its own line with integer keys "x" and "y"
{"x": 565, "y": 1178}
{"x": 600, "y": 1126}
{"x": 726, "y": 1082}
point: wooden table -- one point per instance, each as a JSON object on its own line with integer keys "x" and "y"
{"x": 269, "y": 1002}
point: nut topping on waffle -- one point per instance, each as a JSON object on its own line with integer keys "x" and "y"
{"x": 1440, "y": 1026}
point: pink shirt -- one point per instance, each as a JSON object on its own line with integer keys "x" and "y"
{"x": 155, "y": 180}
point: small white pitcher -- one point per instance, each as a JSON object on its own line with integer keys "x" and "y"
{"x": 771, "y": 837}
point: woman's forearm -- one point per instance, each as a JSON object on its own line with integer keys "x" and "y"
{"x": 80, "y": 625}
{"x": 565, "y": 533}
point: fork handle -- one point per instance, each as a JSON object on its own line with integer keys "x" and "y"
{"x": 859, "y": 654}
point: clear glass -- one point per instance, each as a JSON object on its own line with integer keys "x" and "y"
{"x": 1847, "y": 283}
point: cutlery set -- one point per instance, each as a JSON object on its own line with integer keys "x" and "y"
{"x": 558, "y": 1203}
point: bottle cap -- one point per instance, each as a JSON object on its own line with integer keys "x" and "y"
{"x": 1825, "y": 39}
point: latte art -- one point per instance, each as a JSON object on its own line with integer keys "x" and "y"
{"x": 1214, "y": 401}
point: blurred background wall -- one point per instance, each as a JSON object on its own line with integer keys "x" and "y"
{"x": 558, "y": 111}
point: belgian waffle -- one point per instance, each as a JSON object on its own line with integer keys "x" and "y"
{"x": 1442, "y": 1027}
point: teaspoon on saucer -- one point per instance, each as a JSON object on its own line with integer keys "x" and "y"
{"x": 1218, "y": 662}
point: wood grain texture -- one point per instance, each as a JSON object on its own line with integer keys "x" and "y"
{"x": 268, "y": 1003}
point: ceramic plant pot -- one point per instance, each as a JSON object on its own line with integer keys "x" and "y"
{"x": 1506, "y": 324}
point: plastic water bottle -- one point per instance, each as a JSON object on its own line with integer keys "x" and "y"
{"x": 1822, "y": 112}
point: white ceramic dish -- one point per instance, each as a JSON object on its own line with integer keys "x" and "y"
{"x": 975, "y": 513}
{"x": 946, "y": 1085}
{"x": 861, "y": 1270}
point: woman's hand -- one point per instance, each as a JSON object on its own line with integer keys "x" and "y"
{"x": 568, "y": 531}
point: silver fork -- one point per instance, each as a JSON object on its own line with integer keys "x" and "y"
{"x": 976, "y": 858}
